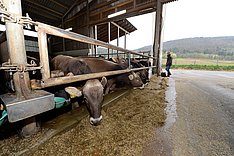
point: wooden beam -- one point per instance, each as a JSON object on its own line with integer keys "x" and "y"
{"x": 43, "y": 13}
{"x": 43, "y": 50}
{"x": 81, "y": 38}
{"x": 157, "y": 38}
{"x": 103, "y": 4}
{"x": 139, "y": 10}
{"x": 44, "y": 7}
{"x": 57, "y": 3}
{"x": 70, "y": 79}
{"x": 107, "y": 8}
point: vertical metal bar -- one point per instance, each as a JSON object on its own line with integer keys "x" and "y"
{"x": 64, "y": 46}
{"x": 109, "y": 38}
{"x": 91, "y": 33}
{"x": 96, "y": 34}
{"x": 43, "y": 50}
{"x": 125, "y": 42}
{"x": 118, "y": 42}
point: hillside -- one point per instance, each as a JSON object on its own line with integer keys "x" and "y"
{"x": 200, "y": 47}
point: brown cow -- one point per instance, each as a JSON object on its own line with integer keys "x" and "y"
{"x": 93, "y": 90}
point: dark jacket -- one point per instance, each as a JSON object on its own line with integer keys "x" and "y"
{"x": 169, "y": 61}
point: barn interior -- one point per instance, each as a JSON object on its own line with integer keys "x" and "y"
{"x": 74, "y": 27}
{"x": 92, "y": 18}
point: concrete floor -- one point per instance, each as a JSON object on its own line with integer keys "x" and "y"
{"x": 200, "y": 115}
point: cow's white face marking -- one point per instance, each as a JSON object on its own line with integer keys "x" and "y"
{"x": 95, "y": 120}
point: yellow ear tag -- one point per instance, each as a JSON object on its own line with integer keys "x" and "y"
{"x": 73, "y": 96}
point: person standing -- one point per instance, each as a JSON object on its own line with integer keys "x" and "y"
{"x": 168, "y": 64}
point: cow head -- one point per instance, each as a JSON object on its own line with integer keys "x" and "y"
{"x": 120, "y": 61}
{"x": 93, "y": 96}
{"x": 135, "y": 80}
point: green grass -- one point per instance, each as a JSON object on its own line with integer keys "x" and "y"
{"x": 201, "y": 64}
{"x": 204, "y": 67}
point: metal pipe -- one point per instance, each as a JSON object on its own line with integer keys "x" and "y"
{"x": 70, "y": 79}
{"x": 118, "y": 42}
{"x": 43, "y": 50}
{"x": 95, "y": 34}
{"x": 81, "y": 38}
{"x": 125, "y": 42}
{"x": 109, "y": 38}
{"x": 64, "y": 46}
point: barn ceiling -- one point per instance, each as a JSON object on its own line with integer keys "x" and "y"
{"x": 55, "y": 12}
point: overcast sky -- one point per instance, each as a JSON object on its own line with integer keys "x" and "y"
{"x": 184, "y": 19}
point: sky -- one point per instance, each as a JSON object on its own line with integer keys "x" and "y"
{"x": 185, "y": 19}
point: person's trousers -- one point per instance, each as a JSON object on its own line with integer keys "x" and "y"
{"x": 168, "y": 70}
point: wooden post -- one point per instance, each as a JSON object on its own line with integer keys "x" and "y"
{"x": 43, "y": 50}
{"x": 16, "y": 48}
{"x": 157, "y": 38}
{"x": 17, "y": 53}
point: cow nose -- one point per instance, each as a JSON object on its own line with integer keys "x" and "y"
{"x": 95, "y": 121}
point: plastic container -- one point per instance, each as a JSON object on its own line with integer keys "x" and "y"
{"x": 3, "y": 117}
{"x": 59, "y": 102}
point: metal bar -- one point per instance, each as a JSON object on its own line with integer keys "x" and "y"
{"x": 43, "y": 50}
{"x": 81, "y": 38}
{"x": 64, "y": 46}
{"x": 95, "y": 35}
{"x": 117, "y": 41}
{"x": 125, "y": 42}
{"x": 70, "y": 79}
{"x": 109, "y": 38}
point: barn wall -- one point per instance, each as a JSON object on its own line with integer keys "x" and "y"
{"x": 79, "y": 24}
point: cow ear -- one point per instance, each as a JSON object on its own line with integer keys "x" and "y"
{"x": 104, "y": 81}
{"x": 114, "y": 59}
{"x": 73, "y": 92}
{"x": 130, "y": 77}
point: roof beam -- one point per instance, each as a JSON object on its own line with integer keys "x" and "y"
{"x": 65, "y": 7}
{"x": 103, "y": 4}
{"x": 41, "y": 11}
{"x": 93, "y": 13}
{"x": 48, "y": 9}
{"x": 139, "y": 10}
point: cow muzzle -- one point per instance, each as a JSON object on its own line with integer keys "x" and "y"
{"x": 95, "y": 121}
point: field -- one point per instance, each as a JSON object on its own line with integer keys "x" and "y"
{"x": 206, "y": 64}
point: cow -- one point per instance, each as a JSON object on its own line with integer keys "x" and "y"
{"x": 92, "y": 93}
{"x": 134, "y": 64}
{"x": 93, "y": 90}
